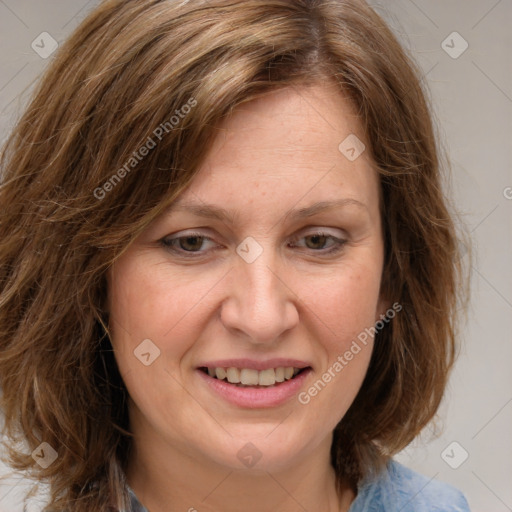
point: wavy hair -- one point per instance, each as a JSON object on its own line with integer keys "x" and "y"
{"x": 71, "y": 205}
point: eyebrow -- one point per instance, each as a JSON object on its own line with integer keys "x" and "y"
{"x": 212, "y": 211}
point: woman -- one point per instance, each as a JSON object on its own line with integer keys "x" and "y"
{"x": 229, "y": 276}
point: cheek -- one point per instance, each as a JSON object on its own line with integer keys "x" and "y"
{"x": 345, "y": 302}
{"x": 144, "y": 306}
{"x": 152, "y": 325}
{"x": 344, "y": 311}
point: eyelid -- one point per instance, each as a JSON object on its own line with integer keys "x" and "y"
{"x": 302, "y": 233}
{"x": 308, "y": 231}
{"x": 177, "y": 236}
{"x": 321, "y": 231}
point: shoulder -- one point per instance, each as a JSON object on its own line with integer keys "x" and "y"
{"x": 399, "y": 488}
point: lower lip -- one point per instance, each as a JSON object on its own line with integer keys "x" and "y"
{"x": 257, "y": 397}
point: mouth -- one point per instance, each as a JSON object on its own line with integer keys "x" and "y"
{"x": 251, "y": 378}
{"x": 250, "y": 384}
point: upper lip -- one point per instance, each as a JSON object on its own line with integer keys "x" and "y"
{"x": 254, "y": 364}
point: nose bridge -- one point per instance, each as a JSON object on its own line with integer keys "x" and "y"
{"x": 259, "y": 303}
{"x": 263, "y": 288}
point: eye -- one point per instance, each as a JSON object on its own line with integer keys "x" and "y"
{"x": 317, "y": 242}
{"x": 190, "y": 243}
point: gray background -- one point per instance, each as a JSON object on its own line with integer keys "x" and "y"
{"x": 472, "y": 96}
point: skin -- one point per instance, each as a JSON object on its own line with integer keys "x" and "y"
{"x": 275, "y": 154}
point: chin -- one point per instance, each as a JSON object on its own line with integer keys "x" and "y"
{"x": 261, "y": 448}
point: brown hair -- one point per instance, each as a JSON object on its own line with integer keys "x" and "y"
{"x": 68, "y": 211}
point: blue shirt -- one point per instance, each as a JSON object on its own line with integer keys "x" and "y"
{"x": 396, "y": 489}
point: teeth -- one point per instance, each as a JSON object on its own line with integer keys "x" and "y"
{"x": 279, "y": 372}
{"x": 250, "y": 377}
{"x": 233, "y": 375}
{"x": 220, "y": 373}
{"x": 267, "y": 377}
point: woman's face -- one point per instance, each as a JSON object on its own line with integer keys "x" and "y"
{"x": 255, "y": 271}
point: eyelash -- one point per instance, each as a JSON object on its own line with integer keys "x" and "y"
{"x": 168, "y": 244}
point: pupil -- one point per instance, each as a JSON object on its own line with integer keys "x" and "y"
{"x": 194, "y": 245}
{"x": 317, "y": 238}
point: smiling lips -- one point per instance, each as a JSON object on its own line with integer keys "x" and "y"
{"x": 253, "y": 395}
{"x": 250, "y": 383}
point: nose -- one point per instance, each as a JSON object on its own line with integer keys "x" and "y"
{"x": 260, "y": 302}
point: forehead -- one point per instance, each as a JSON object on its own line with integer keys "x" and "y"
{"x": 284, "y": 149}
{"x": 293, "y": 122}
